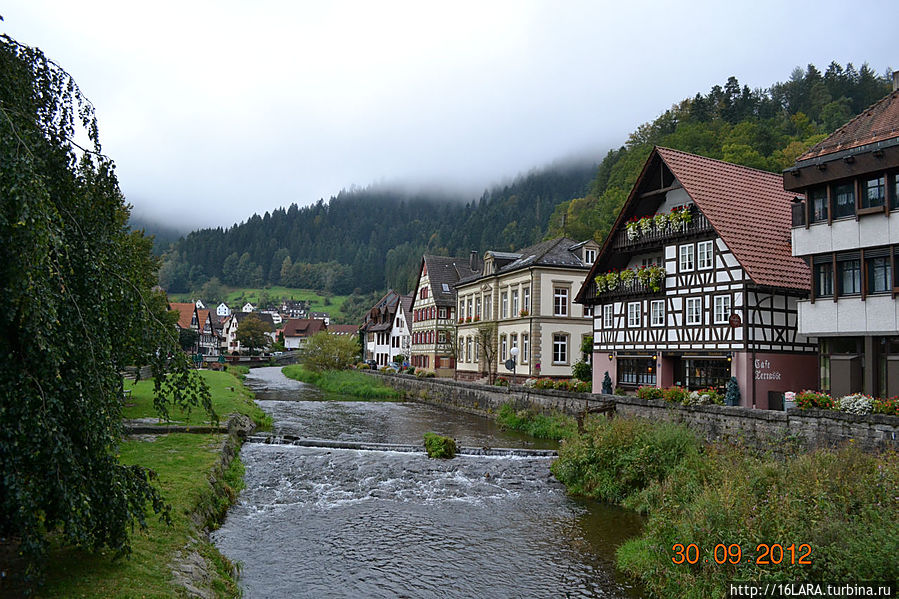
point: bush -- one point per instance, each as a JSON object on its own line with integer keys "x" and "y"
{"x": 647, "y": 392}
{"x": 562, "y": 385}
{"x": 813, "y": 399}
{"x": 545, "y": 383}
{"x": 582, "y": 371}
{"x": 543, "y": 426}
{"x": 501, "y": 381}
{"x": 438, "y": 446}
{"x": 857, "y": 403}
{"x": 530, "y": 383}
{"x": 675, "y": 394}
{"x": 887, "y": 406}
{"x": 581, "y": 386}
{"x": 410, "y": 370}
{"x": 703, "y": 397}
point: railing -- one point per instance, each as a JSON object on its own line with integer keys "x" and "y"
{"x": 698, "y": 224}
{"x": 633, "y": 287}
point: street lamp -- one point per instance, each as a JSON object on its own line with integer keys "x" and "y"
{"x": 514, "y": 353}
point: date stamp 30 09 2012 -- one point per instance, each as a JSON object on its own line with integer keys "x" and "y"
{"x": 765, "y": 554}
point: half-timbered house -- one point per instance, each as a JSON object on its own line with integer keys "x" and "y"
{"x": 696, "y": 283}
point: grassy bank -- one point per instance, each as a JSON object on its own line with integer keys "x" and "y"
{"x": 228, "y": 395}
{"x": 841, "y": 503}
{"x": 343, "y": 382}
{"x": 542, "y": 426}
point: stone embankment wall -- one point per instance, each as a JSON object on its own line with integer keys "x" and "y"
{"x": 762, "y": 429}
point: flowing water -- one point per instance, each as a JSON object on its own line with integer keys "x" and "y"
{"x": 318, "y": 522}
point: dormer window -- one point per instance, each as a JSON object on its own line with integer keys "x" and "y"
{"x": 589, "y": 256}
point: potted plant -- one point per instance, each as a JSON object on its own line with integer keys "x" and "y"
{"x": 646, "y": 224}
{"x": 627, "y": 276}
{"x": 656, "y": 276}
{"x": 633, "y": 228}
{"x": 661, "y": 222}
{"x": 523, "y": 312}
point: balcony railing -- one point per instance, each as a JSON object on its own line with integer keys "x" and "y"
{"x": 654, "y": 237}
{"x": 633, "y": 287}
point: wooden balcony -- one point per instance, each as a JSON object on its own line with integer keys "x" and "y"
{"x": 635, "y": 287}
{"x": 655, "y": 238}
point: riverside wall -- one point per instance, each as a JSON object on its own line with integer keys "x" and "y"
{"x": 761, "y": 429}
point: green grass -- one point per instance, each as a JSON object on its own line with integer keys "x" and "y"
{"x": 177, "y": 459}
{"x": 841, "y": 503}
{"x": 343, "y": 382}
{"x": 241, "y": 295}
{"x": 542, "y": 426}
{"x": 228, "y": 396}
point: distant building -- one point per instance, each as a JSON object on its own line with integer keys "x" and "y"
{"x": 248, "y": 307}
{"x": 231, "y": 326}
{"x": 323, "y": 316}
{"x": 376, "y": 328}
{"x": 200, "y": 305}
{"x": 297, "y": 331}
{"x": 846, "y": 228}
{"x": 222, "y": 310}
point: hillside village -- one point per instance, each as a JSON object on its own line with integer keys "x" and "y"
{"x": 717, "y": 277}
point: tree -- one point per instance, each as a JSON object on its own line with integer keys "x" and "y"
{"x": 487, "y": 342}
{"x": 187, "y": 339}
{"x": 327, "y": 351}
{"x": 79, "y": 308}
{"x": 212, "y": 292}
{"x": 253, "y": 333}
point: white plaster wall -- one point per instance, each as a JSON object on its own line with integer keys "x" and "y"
{"x": 869, "y": 230}
{"x": 878, "y": 314}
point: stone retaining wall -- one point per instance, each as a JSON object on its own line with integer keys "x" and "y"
{"x": 762, "y": 429}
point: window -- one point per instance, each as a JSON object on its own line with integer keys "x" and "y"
{"x": 470, "y": 312}
{"x": 633, "y": 314}
{"x": 657, "y": 313}
{"x": 461, "y": 347}
{"x": 844, "y": 200}
{"x": 878, "y": 275}
{"x": 468, "y": 348}
{"x": 874, "y": 193}
{"x": 849, "y": 275}
{"x": 503, "y": 348}
{"x": 560, "y": 301}
{"x": 823, "y": 279}
{"x": 817, "y": 198}
{"x": 525, "y": 347}
{"x": 686, "y": 257}
{"x": 560, "y": 349}
{"x": 441, "y": 337}
{"x": 705, "y": 260}
{"x": 704, "y": 374}
{"x": 589, "y": 256}
{"x": 607, "y": 316}
{"x": 693, "y": 310}
{"x": 894, "y": 192}
{"x": 446, "y": 288}
{"x": 504, "y": 302}
{"x": 513, "y": 341}
{"x": 722, "y": 309}
{"x": 515, "y": 310}
{"x": 588, "y": 310}
{"x": 442, "y": 312}
{"x": 477, "y": 350}
{"x": 477, "y": 306}
{"x": 636, "y": 371}
{"x": 526, "y": 299}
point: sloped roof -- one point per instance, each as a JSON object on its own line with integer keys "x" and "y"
{"x": 406, "y": 302}
{"x": 303, "y": 327}
{"x": 446, "y": 270}
{"x": 878, "y": 122}
{"x": 751, "y": 212}
{"x": 266, "y": 318}
{"x": 343, "y": 329}
{"x": 552, "y": 252}
{"x": 185, "y": 312}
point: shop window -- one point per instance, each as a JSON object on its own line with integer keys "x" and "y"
{"x": 705, "y": 373}
{"x": 636, "y": 371}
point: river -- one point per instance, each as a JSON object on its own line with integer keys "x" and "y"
{"x": 316, "y": 522}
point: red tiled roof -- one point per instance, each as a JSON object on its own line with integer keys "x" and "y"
{"x": 878, "y": 122}
{"x": 185, "y": 312}
{"x": 303, "y": 327}
{"x": 751, "y": 212}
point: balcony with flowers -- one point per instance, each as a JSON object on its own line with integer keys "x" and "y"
{"x": 656, "y": 229}
{"x": 645, "y": 280}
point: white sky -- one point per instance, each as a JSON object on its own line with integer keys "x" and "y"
{"x": 215, "y": 110}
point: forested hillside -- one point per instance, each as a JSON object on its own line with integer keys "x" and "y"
{"x": 373, "y": 238}
{"x": 764, "y": 129}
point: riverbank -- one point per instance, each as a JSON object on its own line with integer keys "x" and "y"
{"x": 827, "y": 514}
{"x": 344, "y": 382}
{"x": 200, "y": 476}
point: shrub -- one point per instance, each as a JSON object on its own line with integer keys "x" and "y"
{"x": 619, "y": 391}
{"x": 501, "y": 381}
{"x": 410, "y": 370}
{"x": 545, "y": 383}
{"x": 703, "y": 397}
{"x": 675, "y": 394}
{"x": 887, "y": 406}
{"x": 581, "y": 387}
{"x": 582, "y": 371}
{"x": 813, "y": 399}
{"x": 530, "y": 383}
{"x": 647, "y": 392}
{"x": 543, "y": 426}
{"x": 439, "y": 446}
{"x": 857, "y": 403}
{"x": 562, "y": 385}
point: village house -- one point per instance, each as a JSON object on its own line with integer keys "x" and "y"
{"x": 846, "y": 228}
{"x": 344, "y": 330}
{"x": 377, "y": 326}
{"x": 230, "y": 342}
{"x": 400, "y": 333}
{"x": 222, "y": 311}
{"x": 696, "y": 283}
{"x": 521, "y": 302}
{"x": 434, "y": 311}
{"x": 298, "y": 331}
{"x": 201, "y": 322}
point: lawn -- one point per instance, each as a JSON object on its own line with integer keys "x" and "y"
{"x": 344, "y": 382}
{"x": 237, "y": 296}
{"x": 177, "y": 459}
{"x": 228, "y": 396}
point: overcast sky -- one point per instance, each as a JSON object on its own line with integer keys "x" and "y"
{"x": 215, "y": 110}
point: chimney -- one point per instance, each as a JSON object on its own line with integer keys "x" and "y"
{"x": 895, "y": 80}
{"x": 473, "y": 261}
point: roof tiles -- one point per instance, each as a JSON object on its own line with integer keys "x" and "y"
{"x": 878, "y": 122}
